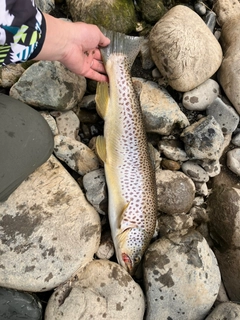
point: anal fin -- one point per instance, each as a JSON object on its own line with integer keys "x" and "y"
{"x": 101, "y": 148}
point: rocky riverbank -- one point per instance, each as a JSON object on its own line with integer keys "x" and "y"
{"x": 56, "y": 248}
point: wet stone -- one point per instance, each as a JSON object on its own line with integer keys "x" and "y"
{"x": 173, "y": 150}
{"x": 236, "y": 139}
{"x": 224, "y": 114}
{"x": 195, "y": 171}
{"x": 68, "y": 123}
{"x": 15, "y": 305}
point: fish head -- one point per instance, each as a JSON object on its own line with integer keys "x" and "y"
{"x": 131, "y": 245}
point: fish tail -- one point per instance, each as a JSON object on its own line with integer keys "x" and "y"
{"x": 121, "y": 44}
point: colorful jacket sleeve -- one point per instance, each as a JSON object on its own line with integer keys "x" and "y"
{"x": 22, "y": 31}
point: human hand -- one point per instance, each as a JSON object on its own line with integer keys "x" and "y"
{"x": 76, "y": 45}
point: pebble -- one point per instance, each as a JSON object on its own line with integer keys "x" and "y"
{"x": 202, "y": 96}
{"x": 201, "y": 188}
{"x": 236, "y": 139}
{"x": 173, "y": 150}
{"x": 178, "y": 224}
{"x": 95, "y": 187}
{"x": 203, "y": 139}
{"x": 101, "y": 290}
{"x": 211, "y": 20}
{"x": 106, "y": 248}
{"x": 212, "y": 167}
{"x": 51, "y": 122}
{"x": 160, "y": 111}
{"x": 195, "y": 171}
{"x": 68, "y": 123}
{"x": 170, "y": 165}
{"x": 181, "y": 278}
{"x": 48, "y": 230}
{"x": 200, "y": 8}
{"x": 224, "y": 114}
{"x": 87, "y": 102}
{"x": 175, "y": 192}
{"x": 50, "y": 94}
{"x": 233, "y": 160}
{"x": 225, "y": 311}
{"x": 75, "y": 154}
{"x": 15, "y": 305}
{"x": 10, "y": 74}
{"x": 179, "y": 54}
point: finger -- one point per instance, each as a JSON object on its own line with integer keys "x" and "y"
{"x": 98, "y": 66}
{"x": 104, "y": 41}
{"x": 94, "y": 75}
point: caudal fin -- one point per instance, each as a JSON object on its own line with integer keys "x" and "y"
{"x": 122, "y": 44}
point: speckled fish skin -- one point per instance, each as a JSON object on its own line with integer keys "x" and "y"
{"x": 128, "y": 167}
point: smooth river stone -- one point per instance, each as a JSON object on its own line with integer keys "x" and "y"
{"x": 48, "y": 230}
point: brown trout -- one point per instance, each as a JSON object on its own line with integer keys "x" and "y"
{"x": 125, "y": 153}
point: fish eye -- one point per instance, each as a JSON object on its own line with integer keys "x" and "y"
{"x": 137, "y": 259}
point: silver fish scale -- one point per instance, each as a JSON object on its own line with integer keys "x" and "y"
{"x": 136, "y": 173}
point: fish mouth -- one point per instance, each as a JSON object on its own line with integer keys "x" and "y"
{"x": 127, "y": 263}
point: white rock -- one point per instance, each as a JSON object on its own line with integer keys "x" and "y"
{"x": 199, "y": 98}
{"x": 76, "y": 154}
{"x": 194, "y": 171}
{"x": 51, "y": 122}
{"x": 47, "y": 229}
{"x": 101, "y": 290}
{"x": 233, "y": 160}
{"x": 68, "y": 123}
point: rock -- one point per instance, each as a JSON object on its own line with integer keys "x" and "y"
{"x": 203, "y": 139}
{"x": 175, "y": 192}
{"x": 211, "y": 20}
{"x": 75, "y": 154}
{"x": 16, "y": 305}
{"x": 195, "y": 172}
{"x": 200, "y": 8}
{"x": 181, "y": 44}
{"x": 146, "y": 59}
{"x": 179, "y": 224}
{"x": 47, "y": 229}
{"x": 170, "y": 164}
{"x": 181, "y": 277}
{"x": 212, "y": 167}
{"x": 224, "y": 213}
{"x": 45, "y": 5}
{"x": 173, "y": 149}
{"x": 121, "y": 15}
{"x": 102, "y": 290}
{"x": 51, "y": 122}
{"x": 10, "y": 74}
{"x": 160, "y": 111}
{"x": 233, "y": 160}
{"x": 106, "y": 247}
{"x": 236, "y": 138}
{"x": 95, "y": 186}
{"x": 68, "y": 124}
{"x": 151, "y": 10}
{"x": 201, "y": 188}
{"x": 228, "y": 14}
{"x": 225, "y": 311}
{"x": 224, "y": 114}
{"x": 202, "y": 96}
{"x": 60, "y": 90}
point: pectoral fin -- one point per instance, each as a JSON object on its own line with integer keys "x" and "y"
{"x": 102, "y": 98}
{"x": 101, "y": 148}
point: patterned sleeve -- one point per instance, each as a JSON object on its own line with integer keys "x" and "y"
{"x": 22, "y": 31}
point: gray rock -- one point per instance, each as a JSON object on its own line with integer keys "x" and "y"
{"x": 195, "y": 172}
{"x": 211, "y": 20}
{"x": 45, "y": 5}
{"x": 233, "y": 160}
{"x": 213, "y": 167}
{"x": 224, "y": 114}
{"x": 101, "y": 290}
{"x": 181, "y": 278}
{"x": 225, "y": 311}
{"x": 202, "y": 96}
{"x": 151, "y": 10}
{"x": 47, "y": 229}
{"x": 160, "y": 111}
{"x": 121, "y": 14}
{"x": 181, "y": 44}
{"x": 75, "y": 154}
{"x": 15, "y": 305}
{"x": 236, "y": 139}
{"x": 179, "y": 224}
{"x": 95, "y": 186}
{"x": 61, "y": 89}
{"x": 173, "y": 150}
{"x": 203, "y": 139}
{"x": 224, "y": 213}
{"x": 175, "y": 192}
